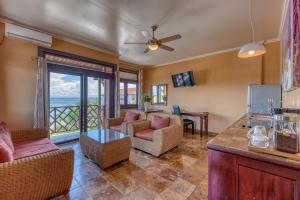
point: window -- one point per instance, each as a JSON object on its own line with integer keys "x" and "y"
{"x": 131, "y": 94}
{"x": 128, "y": 93}
{"x": 122, "y": 93}
{"x": 159, "y": 94}
{"x": 128, "y": 89}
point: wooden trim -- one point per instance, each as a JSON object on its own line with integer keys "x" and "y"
{"x": 42, "y": 51}
{"x": 67, "y": 69}
{"x": 129, "y": 71}
{"x": 128, "y": 80}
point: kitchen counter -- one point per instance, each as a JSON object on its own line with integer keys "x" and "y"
{"x": 234, "y": 140}
{"x": 235, "y": 172}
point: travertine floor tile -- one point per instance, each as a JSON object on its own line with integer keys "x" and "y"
{"x": 179, "y": 174}
{"x": 182, "y": 187}
{"x": 170, "y": 195}
{"x": 141, "y": 193}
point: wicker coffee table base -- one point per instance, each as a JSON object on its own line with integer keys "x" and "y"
{"x": 105, "y": 154}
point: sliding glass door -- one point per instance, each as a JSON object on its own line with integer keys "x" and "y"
{"x": 79, "y": 100}
{"x": 97, "y": 101}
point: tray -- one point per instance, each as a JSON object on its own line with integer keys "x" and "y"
{"x": 271, "y": 151}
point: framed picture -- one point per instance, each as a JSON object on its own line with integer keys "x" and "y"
{"x": 290, "y": 47}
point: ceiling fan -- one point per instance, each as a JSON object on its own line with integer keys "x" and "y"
{"x": 154, "y": 43}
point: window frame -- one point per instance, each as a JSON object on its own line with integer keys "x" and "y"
{"x": 126, "y": 82}
{"x": 158, "y": 96}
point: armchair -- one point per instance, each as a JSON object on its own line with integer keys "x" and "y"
{"x": 121, "y": 123}
{"x": 156, "y": 141}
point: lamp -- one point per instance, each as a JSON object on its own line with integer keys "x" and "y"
{"x": 251, "y": 49}
{"x": 153, "y": 46}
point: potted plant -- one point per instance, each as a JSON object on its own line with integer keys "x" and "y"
{"x": 164, "y": 97}
{"x": 146, "y": 100}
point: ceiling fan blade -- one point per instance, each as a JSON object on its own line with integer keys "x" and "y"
{"x": 169, "y": 39}
{"x": 166, "y": 47}
{"x": 135, "y": 43}
{"x": 147, "y": 50}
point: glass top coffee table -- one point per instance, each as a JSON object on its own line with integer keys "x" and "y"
{"x": 105, "y": 147}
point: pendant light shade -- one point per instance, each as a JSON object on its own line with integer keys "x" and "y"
{"x": 251, "y": 50}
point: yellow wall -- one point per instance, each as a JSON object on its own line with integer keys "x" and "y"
{"x": 221, "y": 84}
{"x": 18, "y": 67}
{"x": 221, "y": 81}
{"x": 271, "y": 70}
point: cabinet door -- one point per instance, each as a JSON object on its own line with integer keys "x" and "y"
{"x": 258, "y": 185}
{"x": 222, "y": 176}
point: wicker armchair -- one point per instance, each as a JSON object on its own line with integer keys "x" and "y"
{"x": 119, "y": 121}
{"x": 163, "y": 139}
{"x": 37, "y": 177}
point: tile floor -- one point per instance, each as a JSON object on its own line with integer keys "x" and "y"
{"x": 177, "y": 175}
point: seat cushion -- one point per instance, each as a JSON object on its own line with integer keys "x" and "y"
{"x": 159, "y": 122}
{"x": 6, "y": 154}
{"x": 6, "y": 136}
{"x": 188, "y": 121}
{"x": 116, "y": 128}
{"x": 33, "y": 147}
{"x": 131, "y": 116}
{"x": 145, "y": 134}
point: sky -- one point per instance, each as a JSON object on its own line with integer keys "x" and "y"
{"x": 63, "y": 85}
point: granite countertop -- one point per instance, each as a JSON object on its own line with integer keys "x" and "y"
{"x": 234, "y": 140}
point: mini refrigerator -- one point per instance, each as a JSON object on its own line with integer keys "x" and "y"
{"x": 260, "y": 98}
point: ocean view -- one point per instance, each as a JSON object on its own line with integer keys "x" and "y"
{"x": 67, "y": 101}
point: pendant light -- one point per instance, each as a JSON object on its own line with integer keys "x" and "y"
{"x": 251, "y": 49}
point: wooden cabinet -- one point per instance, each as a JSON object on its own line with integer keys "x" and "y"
{"x": 255, "y": 184}
{"x": 222, "y": 177}
{"x": 237, "y": 177}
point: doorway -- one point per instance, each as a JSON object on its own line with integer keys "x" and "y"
{"x": 79, "y": 100}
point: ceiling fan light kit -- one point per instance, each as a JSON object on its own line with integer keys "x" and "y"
{"x": 154, "y": 43}
{"x": 251, "y": 49}
{"x": 153, "y": 46}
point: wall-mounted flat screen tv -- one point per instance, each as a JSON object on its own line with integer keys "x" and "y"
{"x": 185, "y": 79}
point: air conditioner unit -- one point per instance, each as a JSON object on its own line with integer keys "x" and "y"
{"x": 36, "y": 37}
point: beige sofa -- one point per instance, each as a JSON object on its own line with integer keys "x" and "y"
{"x": 118, "y": 124}
{"x": 162, "y": 140}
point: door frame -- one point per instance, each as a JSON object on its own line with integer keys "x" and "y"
{"x": 42, "y": 52}
{"x": 84, "y": 74}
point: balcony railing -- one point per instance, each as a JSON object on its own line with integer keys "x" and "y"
{"x": 66, "y": 119}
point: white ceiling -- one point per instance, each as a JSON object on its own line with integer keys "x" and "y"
{"x": 205, "y": 25}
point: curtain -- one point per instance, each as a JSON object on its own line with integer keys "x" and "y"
{"x": 41, "y": 96}
{"x": 117, "y": 93}
{"x": 140, "y": 92}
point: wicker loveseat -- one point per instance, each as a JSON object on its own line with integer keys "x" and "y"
{"x": 37, "y": 177}
{"x": 156, "y": 141}
{"x": 120, "y": 124}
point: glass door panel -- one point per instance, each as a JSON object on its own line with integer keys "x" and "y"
{"x": 96, "y": 102}
{"x": 64, "y": 106}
